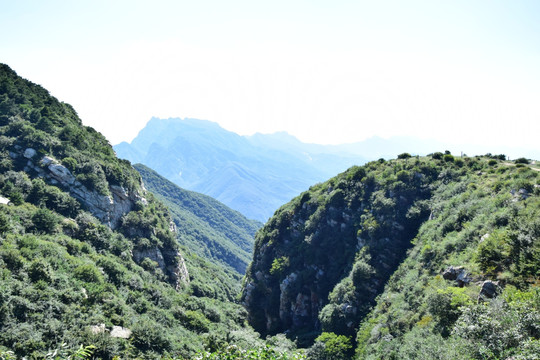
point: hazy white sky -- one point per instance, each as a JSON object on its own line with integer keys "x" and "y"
{"x": 325, "y": 71}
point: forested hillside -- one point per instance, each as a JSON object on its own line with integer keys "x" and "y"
{"x": 89, "y": 257}
{"x": 421, "y": 257}
{"x": 205, "y": 227}
{"x": 431, "y": 257}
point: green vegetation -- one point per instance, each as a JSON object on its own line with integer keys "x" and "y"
{"x": 394, "y": 255}
{"x": 70, "y": 275}
{"x": 205, "y": 226}
{"x": 432, "y": 256}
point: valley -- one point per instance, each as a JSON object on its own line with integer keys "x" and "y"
{"x": 348, "y": 257}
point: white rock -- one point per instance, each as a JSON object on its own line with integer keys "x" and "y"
{"x": 98, "y": 329}
{"x": 29, "y": 153}
{"x": 61, "y": 174}
{"x": 47, "y": 160}
{"x": 120, "y": 332}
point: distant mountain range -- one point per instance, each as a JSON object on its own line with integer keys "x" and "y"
{"x": 256, "y": 174}
{"x": 251, "y": 174}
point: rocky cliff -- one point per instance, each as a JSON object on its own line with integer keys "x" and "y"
{"x": 351, "y": 225}
{"x": 46, "y": 140}
{"x": 420, "y": 240}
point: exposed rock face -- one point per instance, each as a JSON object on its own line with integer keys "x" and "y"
{"x": 489, "y": 290}
{"x": 313, "y": 244}
{"x": 115, "y": 332}
{"x": 153, "y": 254}
{"x": 109, "y": 209}
{"x": 176, "y": 267}
{"x": 459, "y": 274}
{"x": 120, "y": 332}
{"x": 170, "y": 262}
{"x": 98, "y": 329}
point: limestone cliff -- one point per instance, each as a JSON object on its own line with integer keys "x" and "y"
{"x": 46, "y": 140}
{"x": 349, "y": 227}
{"x": 108, "y": 208}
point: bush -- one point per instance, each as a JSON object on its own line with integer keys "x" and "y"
{"x": 88, "y": 273}
{"x": 522, "y": 160}
{"x": 445, "y": 305}
{"x": 448, "y": 158}
{"x": 329, "y": 346}
{"x": 437, "y": 155}
{"x": 404, "y": 156}
{"x": 279, "y": 265}
{"x": 148, "y": 335}
{"x": 40, "y": 270}
{"x": 45, "y": 221}
{"x": 493, "y": 253}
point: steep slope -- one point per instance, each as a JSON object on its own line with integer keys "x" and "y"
{"x": 87, "y": 256}
{"x": 417, "y": 238}
{"x": 205, "y": 226}
{"x": 251, "y": 176}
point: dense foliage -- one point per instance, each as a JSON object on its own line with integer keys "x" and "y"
{"x": 398, "y": 257}
{"x": 68, "y": 278}
{"x": 486, "y": 223}
{"x": 205, "y": 226}
{"x": 31, "y": 118}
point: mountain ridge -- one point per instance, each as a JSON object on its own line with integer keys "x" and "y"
{"x": 200, "y": 155}
{"x": 398, "y": 258}
{"x": 205, "y": 226}
{"x": 91, "y": 262}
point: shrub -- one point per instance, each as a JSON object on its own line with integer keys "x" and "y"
{"x": 329, "y": 346}
{"x": 445, "y": 305}
{"x": 448, "y": 158}
{"x": 149, "y": 335}
{"x": 70, "y": 163}
{"x": 40, "y": 270}
{"x": 493, "y": 253}
{"x": 279, "y": 265}
{"x": 404, "y": 156}
{"x": 437, "y": 155}
{"x": 45, "y": 221}
{"x": 522, "y": 160}
{"x": 361, "y": 271}
{"x": 88, "y": 273}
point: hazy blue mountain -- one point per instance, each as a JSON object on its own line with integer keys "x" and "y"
{"x": 205, "y": 226}
{"x": 253, "y": 175}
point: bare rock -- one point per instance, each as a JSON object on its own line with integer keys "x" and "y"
{"x": 29, "y": 153}
{"x": 97, "y": 329}
{"x": 60, "y": 173}
{"x": 180, "y": 272}
{"x": 153, "y": 254}
{"x": 120, "y": 332}
{"x": 459, "y": 274}
{"x": 489, "y": 290}
{"x": 170, "y": 262}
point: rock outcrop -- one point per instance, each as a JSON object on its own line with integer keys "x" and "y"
{"x": 489, "y": 290}
{"x": 108, "y": 208}
{"x": 345, "y": 233}
{"x": 458, "y": 274}
{"x": 169, "y": 261}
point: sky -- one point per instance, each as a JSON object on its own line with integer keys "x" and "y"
{"x": 327, "y": 72}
